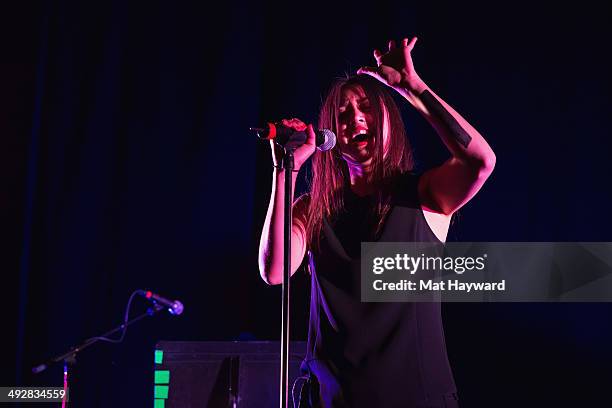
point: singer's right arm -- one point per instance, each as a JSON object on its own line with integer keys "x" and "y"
{"x": 271, "y": 245}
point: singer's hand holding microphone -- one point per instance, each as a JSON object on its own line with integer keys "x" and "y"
{"x": 295, "y": 134}
{"x": 300, "y": 154}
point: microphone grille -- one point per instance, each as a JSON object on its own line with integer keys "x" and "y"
{"x": 176, "y": 308}
{"x": 329, "y": 140}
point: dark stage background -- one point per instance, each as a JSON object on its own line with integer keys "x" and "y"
{"x": 125, "y": 164}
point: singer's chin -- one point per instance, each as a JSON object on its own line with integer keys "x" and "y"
{"x": 361, "y": 157}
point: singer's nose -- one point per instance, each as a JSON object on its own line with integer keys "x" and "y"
{"x": 357, "y": 117}
{"x": 354, "y": 114}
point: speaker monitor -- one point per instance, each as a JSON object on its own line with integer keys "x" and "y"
{"x": 223, "y": 374}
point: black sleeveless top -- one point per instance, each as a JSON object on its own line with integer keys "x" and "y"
{"x": 373, "y": 354}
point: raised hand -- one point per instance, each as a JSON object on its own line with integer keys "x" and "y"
{"x": 395, "y": 67}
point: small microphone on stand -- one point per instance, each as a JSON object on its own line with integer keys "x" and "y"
{"x": 174, "y": 306}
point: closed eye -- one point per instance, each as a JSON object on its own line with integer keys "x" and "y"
{"x": 362, "y": 108}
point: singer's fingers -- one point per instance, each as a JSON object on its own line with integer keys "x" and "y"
{"x": 391, "y": 45}
{"x": 294, "y": 123}
{"x": 410, "y": 44}
{"x": 298, "y": 124}
{"x": 377, "y": 56}
{"x": 310, "y": 135}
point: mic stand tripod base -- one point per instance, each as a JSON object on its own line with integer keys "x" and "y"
{"x": 69, "y": 357}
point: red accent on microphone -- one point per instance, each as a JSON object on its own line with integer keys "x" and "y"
{"x": 272, "y": 133}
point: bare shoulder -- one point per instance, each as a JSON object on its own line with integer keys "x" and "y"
{"x": 300, "y": 208}
{"x": 303, "y": 200}
{"x": 301, "y": 203}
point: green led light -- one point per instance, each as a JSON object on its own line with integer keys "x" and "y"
{"x": 159, "y": 403}
{"x": 162, "y": 377}
{"x": 159, "y": 356}
{"x": 160, "y": 391}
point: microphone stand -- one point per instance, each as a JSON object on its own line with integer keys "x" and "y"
{"x": 69, "y": 357}
{"x": 284, "y": 377}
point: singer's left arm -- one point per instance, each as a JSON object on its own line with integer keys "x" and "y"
{"x": 448, "y": 187}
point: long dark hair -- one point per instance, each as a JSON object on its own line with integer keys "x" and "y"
{"x": 330, "y": 175}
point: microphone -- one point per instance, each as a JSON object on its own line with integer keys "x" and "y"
{"x": 288, "y": 137}
{"x": 174, "y": 306}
